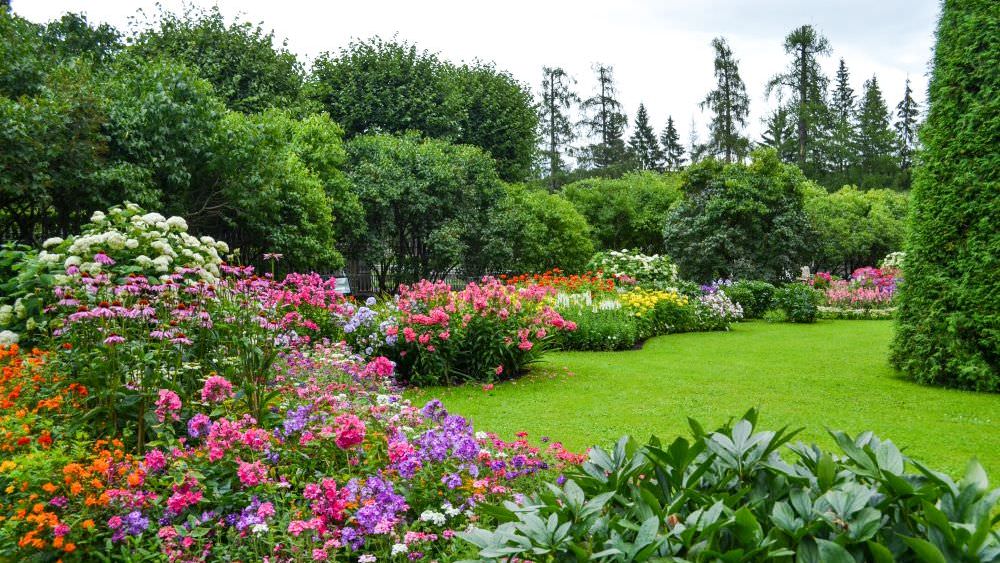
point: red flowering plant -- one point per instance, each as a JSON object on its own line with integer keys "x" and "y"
{"x": 588, "y": 282}
{"x": 487, "y": 330}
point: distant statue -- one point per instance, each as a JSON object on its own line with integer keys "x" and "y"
{"x": 805, "y": 273}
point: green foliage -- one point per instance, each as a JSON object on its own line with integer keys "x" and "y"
{"x": 426, "y": 202}
{"x": 272, "y": 202}
{"x": 855, "y": 228}
{"x": 388, "y": 86}
{"x": 949, "y": 317}
{"x": 265, "y": 182}
{"x": 798, "y": 303}
{"x": 499, "y": 117}
{"x": 538, "y": 231}
{"x": 626, "y": 212}
{"x": 247, "y": 70}
{"x": 739, "y": 220}
{"x": 555, "y": 129}
{"x": 728, "y": 495}
{"x": 51, "y": 151}
{"x": 754, "y": 296}
{"x": 600, "y": 329}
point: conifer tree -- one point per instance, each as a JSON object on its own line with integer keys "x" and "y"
{"x": 605, "y": 121}
{"x": 806, "y": 81}
{"x": 673, "y": 150}
{"x": 842, "y": 153}
{"x": 907, "y": 112}
{"x": 730, "y": 105}
{"x": 876, "y": 141}
{"x": 556, "y": 130}
{"x": 779, "y": 134}
{"x": 643, "y": 147}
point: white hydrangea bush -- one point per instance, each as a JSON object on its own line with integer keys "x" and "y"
{"x": 128, "y": 240}
{"x": 125, "y": 240}
{"x": 654, "y": 270}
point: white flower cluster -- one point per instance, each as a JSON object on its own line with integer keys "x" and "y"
{"x": 644, "y": 268}
{"x": 129, "y": 236}
{"x": 584, "y": 300}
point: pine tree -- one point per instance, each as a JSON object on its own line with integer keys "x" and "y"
{"x": 605, "y": 121}
{"x": 730, "y": 104}
{"x": 555, "y": 128}
{"x": 876, "y": 141}
{"x": 843, "y": 131}
{"x": 643, "y": 147}
{"x": 673, "y": 150}
{"x": 808, "y": 85}
{"x": 779, "y": 134}
{"x": 907, "y": 112}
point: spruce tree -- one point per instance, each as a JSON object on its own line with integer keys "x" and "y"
{"x": 842, "y": 152}
{"x": 643, "y": 147}
{"x": 807, "y": 84}
{"x": 556, "y": 131}
{"x": 779, "y": 134}
{"x": 948, "y": 324}
{"x": 673, "y": 150}
{"x": 907, "y": 112}
{"x": 605, "y": 121}
{"x": 876, "y": 140}
{"x": 730, "y": 104}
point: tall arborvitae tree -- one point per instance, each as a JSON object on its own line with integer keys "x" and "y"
{"x": 805, "y": 81}
{"x": 842, "y": 153}
{"x": 556, "y": 130}
{"x": 876, "y": 140}
{"x": 948, "y": 324}
{"x": 730, "y": 104}
{"x": 643, "y": 147}
{"x": 673, "y": 150}
{"x": 779, "y": 134}
{"x": 907, "y": 113}
{"x": 605, "y": 122}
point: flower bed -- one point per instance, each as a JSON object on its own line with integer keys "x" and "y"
{"x": 341, "y": 467}
{"x": 870, "y": 293}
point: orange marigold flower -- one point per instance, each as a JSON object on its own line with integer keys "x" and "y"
{"x": 49, "y": 488}
{"x": 87, "y": 524}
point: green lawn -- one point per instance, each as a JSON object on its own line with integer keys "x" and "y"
{"x": 831, "y": 374}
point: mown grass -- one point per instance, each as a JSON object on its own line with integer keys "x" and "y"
{"x": 832, "y": 374}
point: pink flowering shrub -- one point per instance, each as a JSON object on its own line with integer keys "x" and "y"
{"x": 869, "y": 293}
{"x": 437, "y": 335}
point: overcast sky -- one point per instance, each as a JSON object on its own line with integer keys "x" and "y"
{"x": 659, "y": 49}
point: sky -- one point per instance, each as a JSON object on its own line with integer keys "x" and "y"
{"x": 660, "y": 50}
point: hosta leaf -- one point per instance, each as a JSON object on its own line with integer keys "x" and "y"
{"x": 830, "y": 552}
{"x": 925, "y": 550}
{"x": 880, "y": 553}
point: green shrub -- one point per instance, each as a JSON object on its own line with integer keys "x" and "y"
{"x": 799, "y": 302}
{"x": 601, "y": 329}
{"x": 731, "y": 492}
{"x": 754, "y": 296}
{"x": 949, "y": 318}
